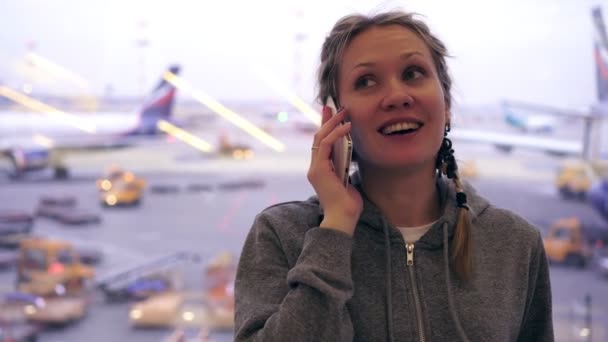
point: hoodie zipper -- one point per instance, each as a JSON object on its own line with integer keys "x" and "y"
{"x": 410, "y": 265}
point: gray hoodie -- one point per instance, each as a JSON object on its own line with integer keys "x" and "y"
{"x": 299, "y": 282}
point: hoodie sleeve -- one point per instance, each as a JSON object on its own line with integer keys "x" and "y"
{"x": 304, "y": 303}
{"x": 538, "y": 319}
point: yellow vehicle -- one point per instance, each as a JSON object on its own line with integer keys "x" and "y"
{"x": 235, "y": 151}
{"x": 568, "y": 242}
{"x": 212, "y": 308}
{"x": 123, "y": 193}
{"x": 50, "y": 267}
{"x": 576, "y": 177}
{"x": 114, "y": 176}
{"x": 181, "y": 310}
{"x": 20, "y": 307}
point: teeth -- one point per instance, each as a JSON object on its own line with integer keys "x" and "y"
{"x": 400, "y": 127}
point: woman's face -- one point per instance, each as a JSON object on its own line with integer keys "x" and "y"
{"x": 390, "y": 87}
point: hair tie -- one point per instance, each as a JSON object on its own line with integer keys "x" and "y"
{"x": 461, "y": 200}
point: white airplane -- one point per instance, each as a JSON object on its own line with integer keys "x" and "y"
{"x": 35, "y": 141}
{"x": 560, "y": 147}
{"x": 529, "y": 123}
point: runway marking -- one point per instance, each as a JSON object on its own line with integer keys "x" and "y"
{"x": 224, "y": 224}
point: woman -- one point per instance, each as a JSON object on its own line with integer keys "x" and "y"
{"x": 405, "y": 253}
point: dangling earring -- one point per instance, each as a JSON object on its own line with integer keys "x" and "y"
{"x": 446, "y": 163}
{"x": 448, "y": 166}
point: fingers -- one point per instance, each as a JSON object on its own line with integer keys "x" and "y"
{"x": 320, "y": 163}
{"x": 321, "y": 170}
{"x": 329, "y": 124}
{"x": 325, "y": 146}
{"x": 326, "y": 114}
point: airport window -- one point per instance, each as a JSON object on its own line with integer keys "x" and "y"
{"x": 121, "y": 144}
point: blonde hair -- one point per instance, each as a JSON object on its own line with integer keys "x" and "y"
{"x": 333, "y": 48}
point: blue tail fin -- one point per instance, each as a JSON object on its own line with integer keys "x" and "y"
{"x": 157, "y": 106}
{"x": 600, "y": 54}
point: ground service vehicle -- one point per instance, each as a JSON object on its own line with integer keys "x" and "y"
{"x": 180, "y": 310}
{"x": 571, "y": 241}
{"x": 122, "y": 194}
{"x": 576, "y": 177}
{"x": 58, "y": 310}
{"x": 50, "y": 267}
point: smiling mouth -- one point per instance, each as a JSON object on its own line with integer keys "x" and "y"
{"x": 400, "y": 128}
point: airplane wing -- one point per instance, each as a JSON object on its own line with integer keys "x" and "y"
{"x": 580, "y": 113}
{"x": 509, "y": 141}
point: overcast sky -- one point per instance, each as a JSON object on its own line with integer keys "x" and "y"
{"x": 537, "y": 51}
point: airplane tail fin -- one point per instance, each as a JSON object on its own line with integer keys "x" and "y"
{"x": 600, "y": 54}
{"x": 158, "y": 105}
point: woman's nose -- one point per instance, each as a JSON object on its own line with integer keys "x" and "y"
{"x": 398, "y": 94}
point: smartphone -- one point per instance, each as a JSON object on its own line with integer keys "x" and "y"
{"x": 342, "y": 150}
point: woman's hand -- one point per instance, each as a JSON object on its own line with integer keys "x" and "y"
{"x": 341, "y": 205}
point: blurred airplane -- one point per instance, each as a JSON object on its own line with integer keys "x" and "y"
{"x": 32, "y": 141}
{"x": 529, "y": 123}
{"x": 590, "y": 117}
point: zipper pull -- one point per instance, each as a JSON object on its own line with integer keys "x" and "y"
{"x": 410, "y": 254}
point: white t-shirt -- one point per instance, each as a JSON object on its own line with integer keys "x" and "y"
{"x": 413, "y": 234}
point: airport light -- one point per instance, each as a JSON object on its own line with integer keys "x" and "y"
{"x": 188, "y": 316}
{"x": 68, "y": 119}
{"x": 226, "y": 113}
{"x": 292, "y": 98}
{"x": 111, "y": 200}
{"x": 184, "y": 136}
{"x": 105, "y": 185}
{"x": 61, "y": 72}
{"x": 55, "y": 69}
{"x": 29, "y": 309}
{"x": 282, "y": 116}
{"x": 135, "y": 314}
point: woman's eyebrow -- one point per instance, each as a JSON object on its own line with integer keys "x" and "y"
{"x": 403, "y": 56}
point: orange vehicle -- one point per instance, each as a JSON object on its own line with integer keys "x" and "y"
{"x": 575, "y": 177}
{"x": 233, "y": 150}
{"x": 181, "y": 310}
{"x": 123, "y": 193}
{"x": 52, "y": 310}
{"x": 212, "y": 309}
{"x": 50, "y": 267}
{"x": 567, "y": 242}
{"x": 114, "y": 176}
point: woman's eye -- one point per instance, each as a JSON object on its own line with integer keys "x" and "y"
{"x": 364, "y": 82}
{"x": 413, "y": 73}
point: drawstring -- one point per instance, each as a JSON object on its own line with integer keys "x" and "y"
{"x": 451, "y": 305}
{"x": 389, "y": 290}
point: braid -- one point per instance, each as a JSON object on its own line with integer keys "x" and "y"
{"x": 462, "y": 253}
